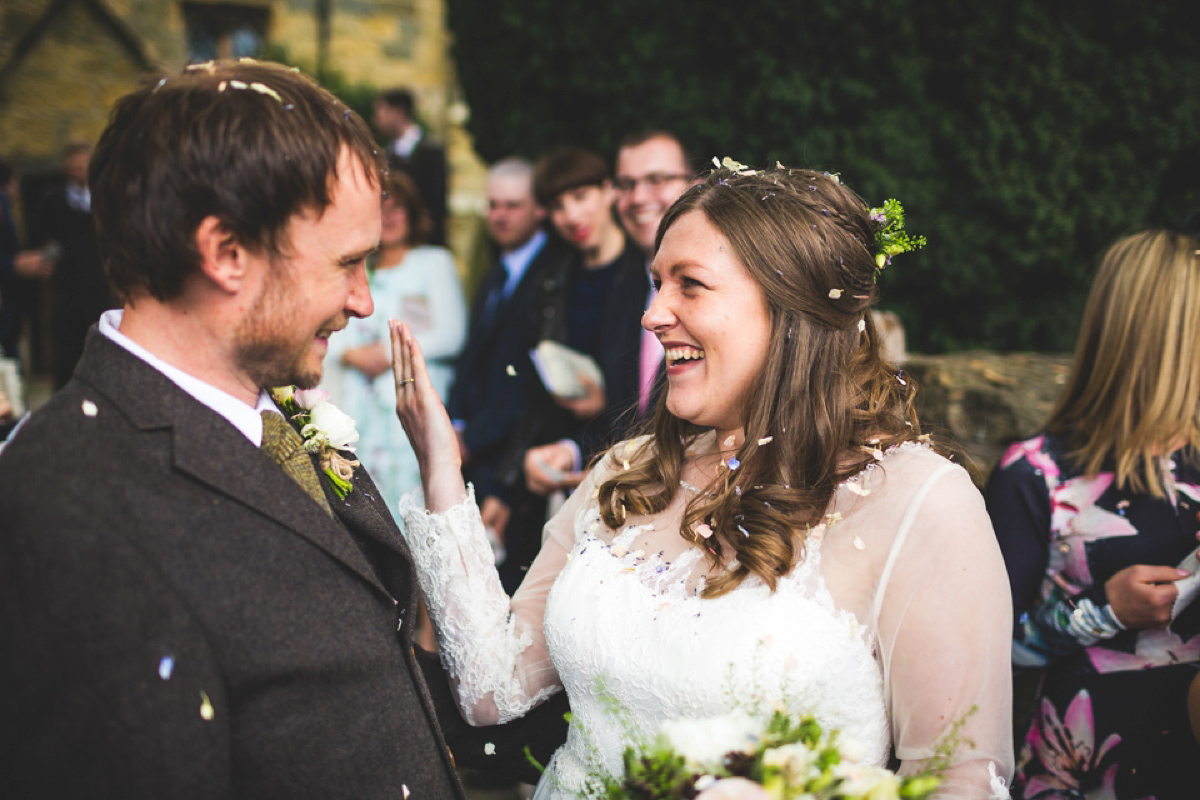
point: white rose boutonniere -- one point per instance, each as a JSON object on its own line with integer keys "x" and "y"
{"x": 325, "y": 428}
{"x": 334, "y": 425}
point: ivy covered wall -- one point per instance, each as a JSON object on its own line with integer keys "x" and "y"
{"x": 1022, "y": 136}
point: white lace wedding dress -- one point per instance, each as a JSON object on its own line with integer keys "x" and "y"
{"x": 894, "y": 624}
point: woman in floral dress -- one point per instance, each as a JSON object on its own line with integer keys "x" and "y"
{"x": 1095, "y": 517}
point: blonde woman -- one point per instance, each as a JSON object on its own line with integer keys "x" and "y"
{"x": 1094, "y": 517}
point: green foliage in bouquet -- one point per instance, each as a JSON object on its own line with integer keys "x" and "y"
{"x": 790, "y": 758}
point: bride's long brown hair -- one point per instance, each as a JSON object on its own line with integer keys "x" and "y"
{"x": 825, "y": 402}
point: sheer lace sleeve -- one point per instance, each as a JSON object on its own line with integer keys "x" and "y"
{"x": 493, "y": 648}
{"x": 942, "y": 613}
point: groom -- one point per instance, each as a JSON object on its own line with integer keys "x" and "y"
{"x": 188, "y": 607}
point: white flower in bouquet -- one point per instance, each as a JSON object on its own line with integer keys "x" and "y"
{"x": 705, "y": 742}
{"x": 793, "y": 761}
{"x": 869, "y": 783}
{"x": 734, "y": 789}
{"x": 852, "y": 748}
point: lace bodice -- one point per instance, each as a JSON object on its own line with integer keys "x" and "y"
{"x": 628, "y": 628}
{"x": 893, "y": 624}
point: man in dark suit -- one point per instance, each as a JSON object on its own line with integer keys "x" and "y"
{"x": 592, "y": 302}
{"x": 494, "y": 376}
{"x": 410, "y": 149}
{"x": 62, "y": 222}
{"x": 184, "y": 613}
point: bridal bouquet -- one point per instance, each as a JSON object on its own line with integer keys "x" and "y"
{"x": 736, "y": 757}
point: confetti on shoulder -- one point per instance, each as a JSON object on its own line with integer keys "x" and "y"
{"x": 511, "y": 371}
{"x": 89, "y": 408}
{"x": 489, "y": 749}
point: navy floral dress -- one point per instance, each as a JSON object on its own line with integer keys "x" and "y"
{"x": 1111, "y": 720}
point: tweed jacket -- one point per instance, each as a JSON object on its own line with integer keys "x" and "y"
{"x": 179, "y": 619}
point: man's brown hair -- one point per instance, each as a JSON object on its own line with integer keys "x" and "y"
{"x": 250, "y": 143}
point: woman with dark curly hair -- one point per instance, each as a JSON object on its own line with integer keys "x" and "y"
{"x": 782, "y": 536}
{"x": 1095, "y": 516}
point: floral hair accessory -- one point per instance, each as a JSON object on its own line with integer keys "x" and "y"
{"x": 890, "y": 236}
{"x": 325, "y": 430}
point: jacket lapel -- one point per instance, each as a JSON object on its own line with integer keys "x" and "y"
{"x": 213, "y": 452}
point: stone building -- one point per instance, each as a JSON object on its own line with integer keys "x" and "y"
{"x": 64, "y": 62}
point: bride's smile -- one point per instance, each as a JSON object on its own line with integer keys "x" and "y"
{"x": 712, "y": 320}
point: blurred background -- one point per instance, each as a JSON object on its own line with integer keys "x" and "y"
{"x": 1022, "y": 136}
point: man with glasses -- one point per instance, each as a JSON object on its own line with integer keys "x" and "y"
{"x": 652, "y": 172}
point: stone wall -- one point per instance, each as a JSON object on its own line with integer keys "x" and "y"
{"x": 983, "y": 401}
{"x": 64, "y": 62}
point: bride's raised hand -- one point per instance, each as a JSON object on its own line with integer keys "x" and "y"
{"x": 425, "y": 422}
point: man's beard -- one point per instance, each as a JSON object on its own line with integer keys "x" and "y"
{"x": 262, "y": 349}
{"x": 262, "y": 360}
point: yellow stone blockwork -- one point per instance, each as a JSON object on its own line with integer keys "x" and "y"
{"x": 66, "y": 84}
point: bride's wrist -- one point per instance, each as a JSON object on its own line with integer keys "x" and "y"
{"x": 443, "y": 486}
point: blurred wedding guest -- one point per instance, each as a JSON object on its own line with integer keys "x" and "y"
{"x": 593, "y": 303}
{"x": 653, "y": 170}
{"x": 1097, "y": 520}
{"x": 495, "y": 375}
{"x": 410, "y": 149}
{"x": 62, "y": 227}
{"x": 416, "y": 283}
{"x": 9, "y": 249}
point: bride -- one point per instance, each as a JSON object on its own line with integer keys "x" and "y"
{"x": 782, "y": 536}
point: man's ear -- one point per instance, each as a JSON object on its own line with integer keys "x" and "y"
{"x": 223, "y": 259}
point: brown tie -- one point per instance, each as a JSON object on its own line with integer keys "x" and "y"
{"x": 286, "y": 448}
